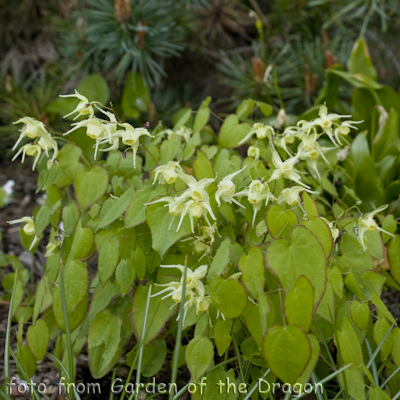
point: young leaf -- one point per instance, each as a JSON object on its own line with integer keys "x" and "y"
{"x": 350, "y": 345}
{"x": 376, "y": 393}
{"x": 90, "y": 185}
{"x": 70, "y": 216}
{"x": 38, "y": 337}
{"x": 287, "y": 351}
{"x": 125, "y": 275}
{"x": 199, "y": 355}
{"x": 103, "y": 340}
{"x": 139, "y": 262}
{"x": 302, "y": 255}
{"x": 27, "y": 360}
{"x": 265, "y": 108}
{"x": 326, "y": 308}
{"x": 76, "y": 283}
{"x": 299, "y": 304}
{"x": 163, "y": 227}
{"x": 42, "y": 219}
{"x": 220, "y": 261}
{"x": 394, "y": 257}
{"x": 305, "y": 376}
{"x": 228, "y": 296}
{"x": 135, "y": 214}
{"x": 117, "y": 209}
{"x": 202, "y": 116}
{"x": 108, "y": 259}
{"x": 360, "y": 314}
{"x": 159, "y": 313}
{"x": 360, "y": 61}
{"x": 396, "y": 346}
{"x": 232, "y": 132}
{"x": 82, "y": 242}
{"x": 354, "y": 381}
{"x": 279, "y": 222}
{"x": 380, "y": 305}
{"x": 256, "y": 322}
{"x": 381, "y": 327}
{"x": 336, "y": 280}
{"x": 203, "y": 167}
{"x": 309, "y": 205}
{"x": 223, "y": 338}
{"x": 322, "y": 231}
{"x": 102, "y": 297}
{"x": 75, "y": 317}
{"x": 252, "y": 267}
{"x": 169, "y": 149}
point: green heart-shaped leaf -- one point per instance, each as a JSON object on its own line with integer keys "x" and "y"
{"x": 287, "y": 351}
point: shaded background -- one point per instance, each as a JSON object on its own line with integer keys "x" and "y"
{"x": 181, "y": 51}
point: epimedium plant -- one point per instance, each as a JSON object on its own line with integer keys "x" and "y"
{"x": 255, "y": 258}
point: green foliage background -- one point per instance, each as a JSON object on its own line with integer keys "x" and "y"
{"x": 184, "y": 51}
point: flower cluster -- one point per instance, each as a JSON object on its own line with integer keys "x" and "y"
{"x": 42, "y": 141}
{"x": 194, "y": 202}
{"x": 203, "y": 243}
{"x": 194, "y": 289}
{"x": 105, "y": 131}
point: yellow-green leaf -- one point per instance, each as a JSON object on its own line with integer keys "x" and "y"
{"x": 199, "y": 355}
{"x": 299, "y": 304}
{"x": 90, "y": 185}
{"x": 287, "y": 351}
{"x": 38, "y": 337}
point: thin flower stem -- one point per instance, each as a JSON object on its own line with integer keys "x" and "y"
{"x": 130, "y": 374}
{"x": 178, "y": 343}
{"x": 151, "y": 155}
{"x": 216, "y": 115}
{"x": 141, "y": 346}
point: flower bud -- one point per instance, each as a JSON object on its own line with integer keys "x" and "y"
{"x": 122, "y": 9}
{"x": 254, "y": 152}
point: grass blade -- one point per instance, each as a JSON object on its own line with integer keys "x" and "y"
{"x": 24, "y": 377}
{"x": 8, "y": 332}
{"x": 5, "y": 395}
{"x": 371, "y": 360}
{"x": 314, "y": 380}
{"x": 55, "y": 359}
{"x": 176, "y": 397}
{"x": 239, "y": 357}
{"x": 67, "y": 332}
{"x": 327, "y": 379}
{"x": 374, "y": 371}
{"x": 256, "y": 386}
{"x": 389, "y": 378}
